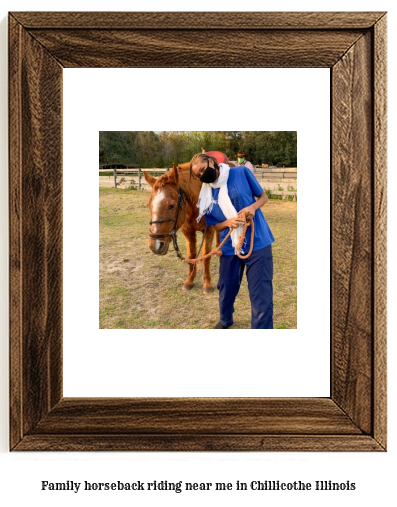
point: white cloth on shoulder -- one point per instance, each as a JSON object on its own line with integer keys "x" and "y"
{"x": 206, "y": 201}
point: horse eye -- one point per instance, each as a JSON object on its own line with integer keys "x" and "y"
{"x": 171, "y": 206}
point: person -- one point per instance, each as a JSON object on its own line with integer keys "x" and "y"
{"x": 225, "y": 192}
{"x": 241, "y": 160}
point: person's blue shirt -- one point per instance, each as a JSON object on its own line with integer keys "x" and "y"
{"x": 242, "y": 187}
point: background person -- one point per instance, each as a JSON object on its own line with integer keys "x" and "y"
{"x": 241, "y": 160}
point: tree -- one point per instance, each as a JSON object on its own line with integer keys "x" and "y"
{"x": 116, "y": 147}
{"x": 151, "y": 149}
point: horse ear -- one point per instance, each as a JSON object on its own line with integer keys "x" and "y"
{"x": 149, "y": 178}
{"x": 174, "y": 170}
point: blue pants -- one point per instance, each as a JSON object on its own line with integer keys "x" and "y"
{"x": 260, "y": 287}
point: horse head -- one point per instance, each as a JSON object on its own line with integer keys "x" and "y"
{"x": 166, "y": 209}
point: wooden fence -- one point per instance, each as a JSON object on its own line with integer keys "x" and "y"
{"x": 133, "y": 176}
{"x": 277, "y": 181}
{"x": 279, "y": 172}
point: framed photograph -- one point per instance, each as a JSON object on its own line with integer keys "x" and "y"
{"x": 353, "y": 46}
{"x": 143, "y": 266}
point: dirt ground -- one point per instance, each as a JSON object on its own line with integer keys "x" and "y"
{"x": 140, "y": 290}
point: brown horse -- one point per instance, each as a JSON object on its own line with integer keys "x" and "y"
{"x": 173, "y": 206}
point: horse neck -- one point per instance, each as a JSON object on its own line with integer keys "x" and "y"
{"x": 191, "y": 186}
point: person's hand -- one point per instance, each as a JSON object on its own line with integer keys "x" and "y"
{"x": 234, "y": 222}
{"x": 249, "y": 211}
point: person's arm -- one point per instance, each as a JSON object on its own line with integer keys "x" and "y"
{"x": 231, "y": 223}
{"x": 250, "y": 210}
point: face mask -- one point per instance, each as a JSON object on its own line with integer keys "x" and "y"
{"x": 209, "y": 175}
{"x": 240, "y": 160}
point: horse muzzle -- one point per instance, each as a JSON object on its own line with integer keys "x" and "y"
{"x": 159, "y": 245}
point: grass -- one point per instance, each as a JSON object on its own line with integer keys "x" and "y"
{"x": 139, "y": 290}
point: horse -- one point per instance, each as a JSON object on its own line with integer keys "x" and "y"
{"x": 173, "y": 206}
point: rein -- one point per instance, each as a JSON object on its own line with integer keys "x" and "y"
{"x": 181, "y": 198}
{"x": 217, "y": 250}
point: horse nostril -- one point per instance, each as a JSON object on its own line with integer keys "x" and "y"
{"x": 159, "y": 245}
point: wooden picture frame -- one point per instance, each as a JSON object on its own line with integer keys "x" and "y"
{"x": 353, "y": 46}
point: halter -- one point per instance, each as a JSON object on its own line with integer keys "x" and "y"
{"x": 181, "y": 197}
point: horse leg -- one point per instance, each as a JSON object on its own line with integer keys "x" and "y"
{"x": 208, "y": 240}
{"x": 190, "y": 237}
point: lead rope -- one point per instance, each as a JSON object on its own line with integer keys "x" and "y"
{"x": 217, "y": 250}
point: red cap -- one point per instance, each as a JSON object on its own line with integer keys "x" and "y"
{"x": 218, "y": 155}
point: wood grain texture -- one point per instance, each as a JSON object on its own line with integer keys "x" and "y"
{"x": 192, "y": 443}
{"x": 202, "y": 20}
{"x": 196, "y": 48}
{"x": 354, "y": 418}
{"x": 299, "y": 416}
{"x": 380, "y": 229}
{"x": 352, "y": 259}
{"x": 36, "y": 244}
{"x": 41, "y": 230}
{"x": 15, "y": 227}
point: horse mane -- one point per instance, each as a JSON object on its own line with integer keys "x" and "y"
{"x": 191, "y": 186}
{"x": 165, "y": 179}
